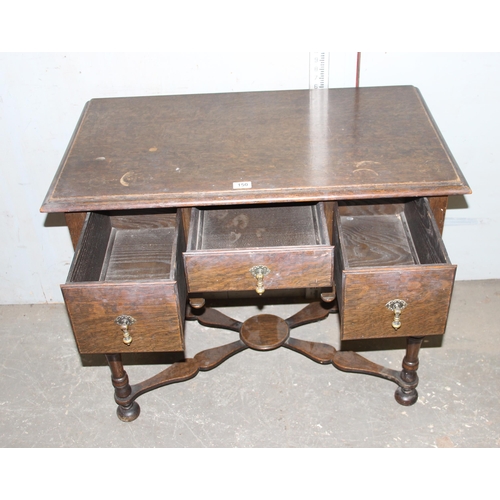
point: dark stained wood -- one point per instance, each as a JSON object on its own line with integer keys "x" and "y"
{"x": 329, "y": 296}
{"x": 319, "y": 352}
{"x": 314, "y": 311}
{"x": 186, "y": 221}
{"x": 407, "y": 395}
{"x": 119, "y": 378}
{"x": 125, "y": 395}
{"x": 90, "y": 254}
{"x": 197, "y": 302}
{"x": 140, "y": 254}
{"x": 406, "y": 379}
{"x": 156, "y": 308}
{"x": 349, "y": 361}
{"x": 322, "y": 353}
{"x": 376, "y": 241}
{"x": 215, "y": 319}
{"x": 264, "y": 332}
{"x": 182, "y": 371}
{"x": 381, "y": 264}
{"x": 426, "y": 291}
{"x": 259, "y": 226}
{"x": 224, "y": 244}
{"x": 75, "y": 222}
{"x": 211, "y": 358}
{"x": 141, "y": 276}
{"x": 328, "y": 207}
{"x": 289, "y": 268}
{"x": 425, "y": 234}
{"x": 438, "y": 205}
{"x": 297, "y": 145}
{"x": 177, "y": 372}
{"x": 232, "y": 181}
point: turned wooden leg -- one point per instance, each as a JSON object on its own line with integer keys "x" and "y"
{"x": 119, "y": 379}
{"x": 408, "y": 395}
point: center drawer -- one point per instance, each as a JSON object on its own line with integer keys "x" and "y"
{"x": 288, "y": 244}
{"x": 126, "y": 287}
{"x": 392, "y": 272}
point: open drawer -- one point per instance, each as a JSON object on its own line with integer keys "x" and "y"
{"x": 126, "y": 290}
{"x": 258, "y": 248}
{"x": 392, "y": 271}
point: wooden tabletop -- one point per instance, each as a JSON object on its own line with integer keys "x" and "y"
{"x": 253, "y": 147}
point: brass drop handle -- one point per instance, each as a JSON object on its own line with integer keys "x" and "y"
{"x": 258, "y": 272}
{"x": 124, "y": 322}
{"x": 396, "y": 306}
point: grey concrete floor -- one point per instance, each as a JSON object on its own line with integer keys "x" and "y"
{"x": 50, "y": 396}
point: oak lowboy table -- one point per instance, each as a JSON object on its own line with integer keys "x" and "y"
{"x": 175, "y": 201}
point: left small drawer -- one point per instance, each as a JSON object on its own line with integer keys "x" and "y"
{"x": 128, "y": 264}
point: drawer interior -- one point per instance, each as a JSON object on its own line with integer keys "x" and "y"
{"x": 258, "y": 226}
{"x": 389, "y": 233}
{"x": 127, "y": 246}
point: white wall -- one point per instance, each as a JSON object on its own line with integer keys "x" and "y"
{"x": 461, "y": 90}
{"x": 42, "y": 95}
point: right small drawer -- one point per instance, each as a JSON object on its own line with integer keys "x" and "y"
{"x": 392, "y": 272}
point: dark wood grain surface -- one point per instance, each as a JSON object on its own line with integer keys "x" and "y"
{"x": 374, "y": 156}
{"x": 292, "y": 241}
{"x": 140, "y": 254}
{"x": 398, "y": 254}
{"x": 128, "y": 264}
{"x": 297, "y": 145}
{"x": 257, "y": 226}
{"x": 156, "y": 307}
{"x": 376, "y": 241}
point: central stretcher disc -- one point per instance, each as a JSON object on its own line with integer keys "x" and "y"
{"x": 264, "y": 332}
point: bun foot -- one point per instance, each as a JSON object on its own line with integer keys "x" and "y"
{"x": 128, "y": 413}
{"x": 406, "y": 398}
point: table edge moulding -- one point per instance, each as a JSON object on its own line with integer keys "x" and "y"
{"x": 336, "y": 197}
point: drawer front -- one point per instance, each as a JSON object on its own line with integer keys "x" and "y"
{"x": 230, "y": 270}
{"x": 155, "y": 307}
{"x": 365, "y": 293}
